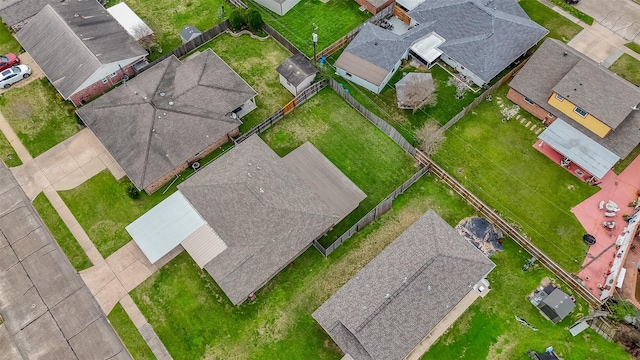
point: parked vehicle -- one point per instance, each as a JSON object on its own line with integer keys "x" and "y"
{"x": 13, "y": 75}
{"x": 8, "y": 60}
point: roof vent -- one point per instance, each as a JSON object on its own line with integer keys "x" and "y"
{"x": 387, "y": 296}
{"x": 145, "y": 98}
{"x": 375, "y": 43}
{"x": 565, "y": 53}
{"x": 170, "y": 103}
{"x": 162, "y": 94}
{"x": 75, "y": 15}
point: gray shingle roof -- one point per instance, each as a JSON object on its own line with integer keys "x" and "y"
{"x": 482, "y": 39}
{"x": 261, "y": 209}
{"x": 147, "y": 135}
{"x": 404, "y": 292}
{"x": 71, "y": 40}
{"x": 47, "y": 310}
{"x": 14, "y": 11}
{"x": 296, "y": 69}
{"x": 559, "y": 304}
{"x": 550, "y": 66}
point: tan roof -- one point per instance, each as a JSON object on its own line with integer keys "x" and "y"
{"x": 366, "y": 70}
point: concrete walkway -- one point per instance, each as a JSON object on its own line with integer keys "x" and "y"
{"x": 66, "y": 166}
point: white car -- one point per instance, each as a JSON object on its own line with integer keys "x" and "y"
{"x": 13, "y": 75}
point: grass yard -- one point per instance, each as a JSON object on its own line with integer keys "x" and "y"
{"x": 129, "y": 334}
{"x": 61, "y": 233}
{"x": 559, "y": 26}
{"x": 573, "y": 11}
{"x": 362, "y": 152}
{"x": 7, "y": 154}
{"x": 194, "y": 318}
{"x": 633, "y": 46}
{"x": 103, "y": 208}
{"x": 37, "y": 114}
{"x": 8, "y": 44}
{"x": 628, "y": 68}
{"x": 622, "y": 164}
{"x": 167, "y": 17}
{"x": 488, "y": 330}
{"x": 334, "y": 20}
{"x": 497, "y": 162}
{"x": 256, "y": 61}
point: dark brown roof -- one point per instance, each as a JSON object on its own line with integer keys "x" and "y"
{"x": 46, "y": 310}
{"x": 167, "y": 114}
{"x": 549, "y": 66}
{"x": 265, "y": 213}
{"x": 403, "y": 293}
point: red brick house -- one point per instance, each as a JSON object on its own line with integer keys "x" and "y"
{"x": 591, "y": 114}
{"x": 81, "y": 48}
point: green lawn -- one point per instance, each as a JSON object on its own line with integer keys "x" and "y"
{"x": 103, "y": 208}
{"x": 61, "y": 233}
{"x": 167, "y": 17}
{"x": 633, "y": 46}
{"x": 7, "y": 153}
{"x": 38, "y": 115}
{"x": 129, "y": 334}
{"x": 559, "y": 26}
{"x": 488, "y": 330}
{"x": 628, "y": 68}
{"x": 194, "y": 318}
{"x": 497, "y": 162}
{"x": 622, "y": 164}
{"x": 8, "y": 44}
{"x": 256, "y": 61}
{"x": 385, "y": 104}
{"x": 365, "y": 154}
{"x": 573, "y": 11}
{"x": 334, "y": 20}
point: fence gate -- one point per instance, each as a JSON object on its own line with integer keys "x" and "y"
{"x": 290, "y": 106}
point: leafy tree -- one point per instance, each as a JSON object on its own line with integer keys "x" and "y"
{"x": 238, "y": 19}
{"x": 254, "y": 20}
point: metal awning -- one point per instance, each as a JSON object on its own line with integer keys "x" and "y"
{"x": 164, "y": 227}
{"x": 579, "y": 148}
{"x": 427, "y": 47}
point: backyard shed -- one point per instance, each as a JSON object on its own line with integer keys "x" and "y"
{"x": 408, "y": 295}
{"x": 188, "y": 33}
{"x": 130, "y": 21}
{"x": 279, "y": 7}
{"x": 248, "y": 214}
{"x": 296, "y": 73}
{"x": 553, "y": 303}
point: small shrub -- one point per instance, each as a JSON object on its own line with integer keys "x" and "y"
{"x": 133, "y": 192}
{"x": 254, "y": 20}
{"x": 238, "y": 19}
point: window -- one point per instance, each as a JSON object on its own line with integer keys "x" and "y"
{"x": 529, "y": 100}
{"x": 112, "y": 75}
{"x": 550, "y": 115}
{"x": 104, "y": 80}
{"x": 580, "y": 112}
{"x": 559, "y": 98}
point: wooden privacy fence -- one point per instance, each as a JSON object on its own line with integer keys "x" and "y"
{"x": 509, "y": 230}
{"x": 483, "y": 96}
{"x": 188, "y": 47}
{"x": 377, "y": 121}
{"x": 305, "y": 95}
{"x": 343, "y": 41}
{"x": 371, "y": 216}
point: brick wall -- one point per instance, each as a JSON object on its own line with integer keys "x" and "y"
{"x": 173, "y": 173}
{"x": 98, "y": 88}
{"x": 534, "y": 110}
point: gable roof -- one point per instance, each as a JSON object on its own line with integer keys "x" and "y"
{"x": 482, "y": 39}
{"x": 46, "y": 309}
{"x": 403, "y": 293}
{"x": 71, "y": 40}
{"x": 558, "y": 305}
{"x": 13, "y": 12}
{"x": 167, "y": 114}
{"x": 603, "y": 92}
{"x": 263, "y": 211}
{"x": 296, "y": 69}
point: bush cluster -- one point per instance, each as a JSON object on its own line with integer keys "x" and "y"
{"x": 241, "y": 18}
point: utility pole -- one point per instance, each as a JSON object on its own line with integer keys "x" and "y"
{"x": 314, "y": 38}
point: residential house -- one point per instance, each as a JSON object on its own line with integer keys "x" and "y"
{"x": 81, "y": 48}
{"x": 248, "y": 214}
{"x": 408, "y": 295}
{"x": 296, "y": 73}
{"x": 553, "y": 303}
{"x": 479, "y": 39}
{"x": 279, "y": 7}
{"x": 46, "y": 310}
{"x": 591, "y": 111}
{"x": 170, "y": 116}
{"x": 16, "y": 13}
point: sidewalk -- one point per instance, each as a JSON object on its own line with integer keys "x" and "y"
{"x": 68, "y": 165}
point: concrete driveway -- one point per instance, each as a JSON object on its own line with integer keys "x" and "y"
{"x": 619, "y": 16}
{"x": 36, "y": 72}
{"x": 599, "y": 43}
